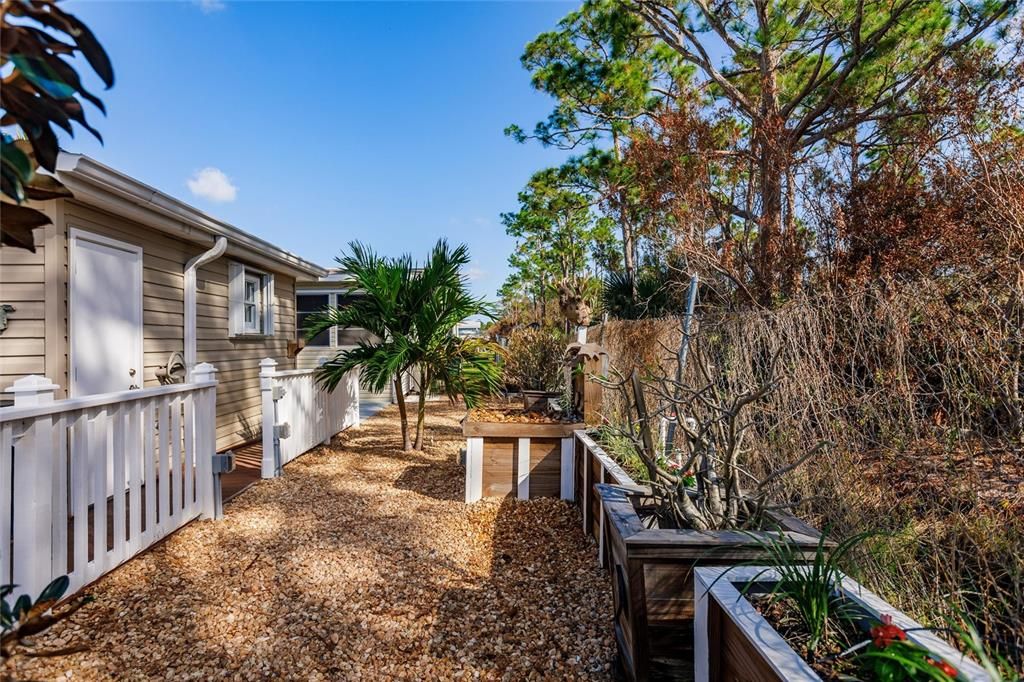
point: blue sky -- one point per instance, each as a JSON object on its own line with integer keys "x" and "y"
{"x": 331, "y": 121}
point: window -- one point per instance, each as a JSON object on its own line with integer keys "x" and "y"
{"x": 251, "y": 301}
{"x": 313, "y": 301}
{"x": 252, "y": 305}
{"x": 306, "y": 305}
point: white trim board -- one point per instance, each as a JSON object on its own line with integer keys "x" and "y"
{"x": 719, "y": 582}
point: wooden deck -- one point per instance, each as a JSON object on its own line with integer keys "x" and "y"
{"x": 248, "y": 461}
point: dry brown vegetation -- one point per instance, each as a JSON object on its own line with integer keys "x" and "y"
{"x": 917, "y": 389}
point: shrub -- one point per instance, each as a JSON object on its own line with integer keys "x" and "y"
{"x": 534, "y": 359}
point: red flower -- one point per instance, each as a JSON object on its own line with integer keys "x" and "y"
{"x": 943, "y": 666}
{"x": 887, "y": 633}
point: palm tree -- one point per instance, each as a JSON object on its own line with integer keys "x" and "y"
{"x": 461, "y": 367}
{"x": 410, "y": 311}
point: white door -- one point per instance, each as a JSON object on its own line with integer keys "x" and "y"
{"x": 105, "y": 314}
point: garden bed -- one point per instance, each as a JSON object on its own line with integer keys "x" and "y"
{"x": 525, "y": 455}
{"x": 653, "y": 585}
{"x": 733, "y": 638}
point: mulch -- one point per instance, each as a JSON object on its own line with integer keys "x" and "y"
{"x": 362, "y": 562}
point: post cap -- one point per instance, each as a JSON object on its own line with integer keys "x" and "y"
{"x": 205, "y": 370}
{"x": 33, "y": 383}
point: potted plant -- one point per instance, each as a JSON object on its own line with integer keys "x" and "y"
{"x": 802, "y": 622}
{"x": 533, "y": 365}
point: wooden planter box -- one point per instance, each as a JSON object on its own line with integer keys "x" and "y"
{"x": 521, "y": 460}
{"x": 733, "y": 641}
{"x": 592, "y": 466}
{"x": 652, "y": 581}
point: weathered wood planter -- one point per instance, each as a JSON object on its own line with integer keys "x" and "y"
{"x": 732, "y": 641}
{"x": 652, "y": 581}
{"x": 525, "y": 460}
{"x": 591, "y": 466}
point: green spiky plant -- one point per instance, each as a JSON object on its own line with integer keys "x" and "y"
{"x": 811, "y": 586}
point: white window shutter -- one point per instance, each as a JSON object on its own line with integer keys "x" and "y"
{"x": 236, "y": 293}
{"x": 268, "y": 305}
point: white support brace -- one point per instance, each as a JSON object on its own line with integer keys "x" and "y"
{"x": 523, "y": 469}
{"x": 474, "y": 469}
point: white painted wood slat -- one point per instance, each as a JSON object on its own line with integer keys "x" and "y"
{"x": 59, "y": 501}
{"x": 190, "y": 456}
{"x": 79, "y": 485}
{"x": 161, "y": 524}
{"x": 149, "y": 436}
{"x": 6, "y": 491}
{"x": 174, "y": 480}
{"x": 119, "y": 552}
{"x": 135, "y": 455}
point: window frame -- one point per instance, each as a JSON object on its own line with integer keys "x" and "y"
{"x": 240, "y": 277}
{"x": 333, "y": 296}
{"x": 331, "y": 336}
{"x": 255, "y": 325}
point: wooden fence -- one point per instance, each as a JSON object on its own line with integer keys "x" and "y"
{"x": 299, "y": 415}
{"x": 87, "y": 483}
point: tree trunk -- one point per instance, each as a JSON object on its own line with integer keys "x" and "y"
{"x": 421, "y": 408}
{"x": 772, "y": 150}
{"x": 402, "y": 414}
{"x": 628, "y": 240}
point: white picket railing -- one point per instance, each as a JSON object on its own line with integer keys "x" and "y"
{"x": 87, "y": 483}
{"x": 304, "y": 414}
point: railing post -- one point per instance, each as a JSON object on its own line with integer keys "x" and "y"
{"x": 330, "y": 417}
{"x": 268, "y": 468}
{"x": 33, "y": 482}
{"x": 205, "y": 406}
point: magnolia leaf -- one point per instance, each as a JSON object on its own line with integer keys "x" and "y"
{"x": 17, "y": 223}
{"x": 11, "y": 185}
{"x": 51, "y": 16}
{"x": 15, "y": 158}
{"x": 43, "y": 187}
{"x": 55, "y": 590}
{"x": 42, "y": 75}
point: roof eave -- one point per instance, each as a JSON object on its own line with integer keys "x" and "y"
{"x": 95, "y": 184}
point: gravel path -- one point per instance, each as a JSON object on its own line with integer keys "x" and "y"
{"x": 361, "y": 563}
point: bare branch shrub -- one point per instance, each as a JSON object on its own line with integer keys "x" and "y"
{"x": 919, "y": 388}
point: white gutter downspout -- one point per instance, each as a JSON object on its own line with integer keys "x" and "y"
{"x": 190, "y": 299}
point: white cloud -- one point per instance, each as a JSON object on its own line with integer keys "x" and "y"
{"x": 211, "y": 183}
{"x": 210, "y": 6}
{"x": 474, "y": 273}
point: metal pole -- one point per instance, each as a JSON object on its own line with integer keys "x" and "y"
{"x": 684, "y": 350}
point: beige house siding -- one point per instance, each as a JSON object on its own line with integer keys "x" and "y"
{"x": 36, "y": 339}
{"x": 23, "y": 286}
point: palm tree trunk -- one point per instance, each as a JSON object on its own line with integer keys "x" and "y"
{"x": 421, "y": 408}
{"x": 402, "y": 414}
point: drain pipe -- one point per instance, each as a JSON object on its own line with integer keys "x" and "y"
{"x": 190, "y": 299}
